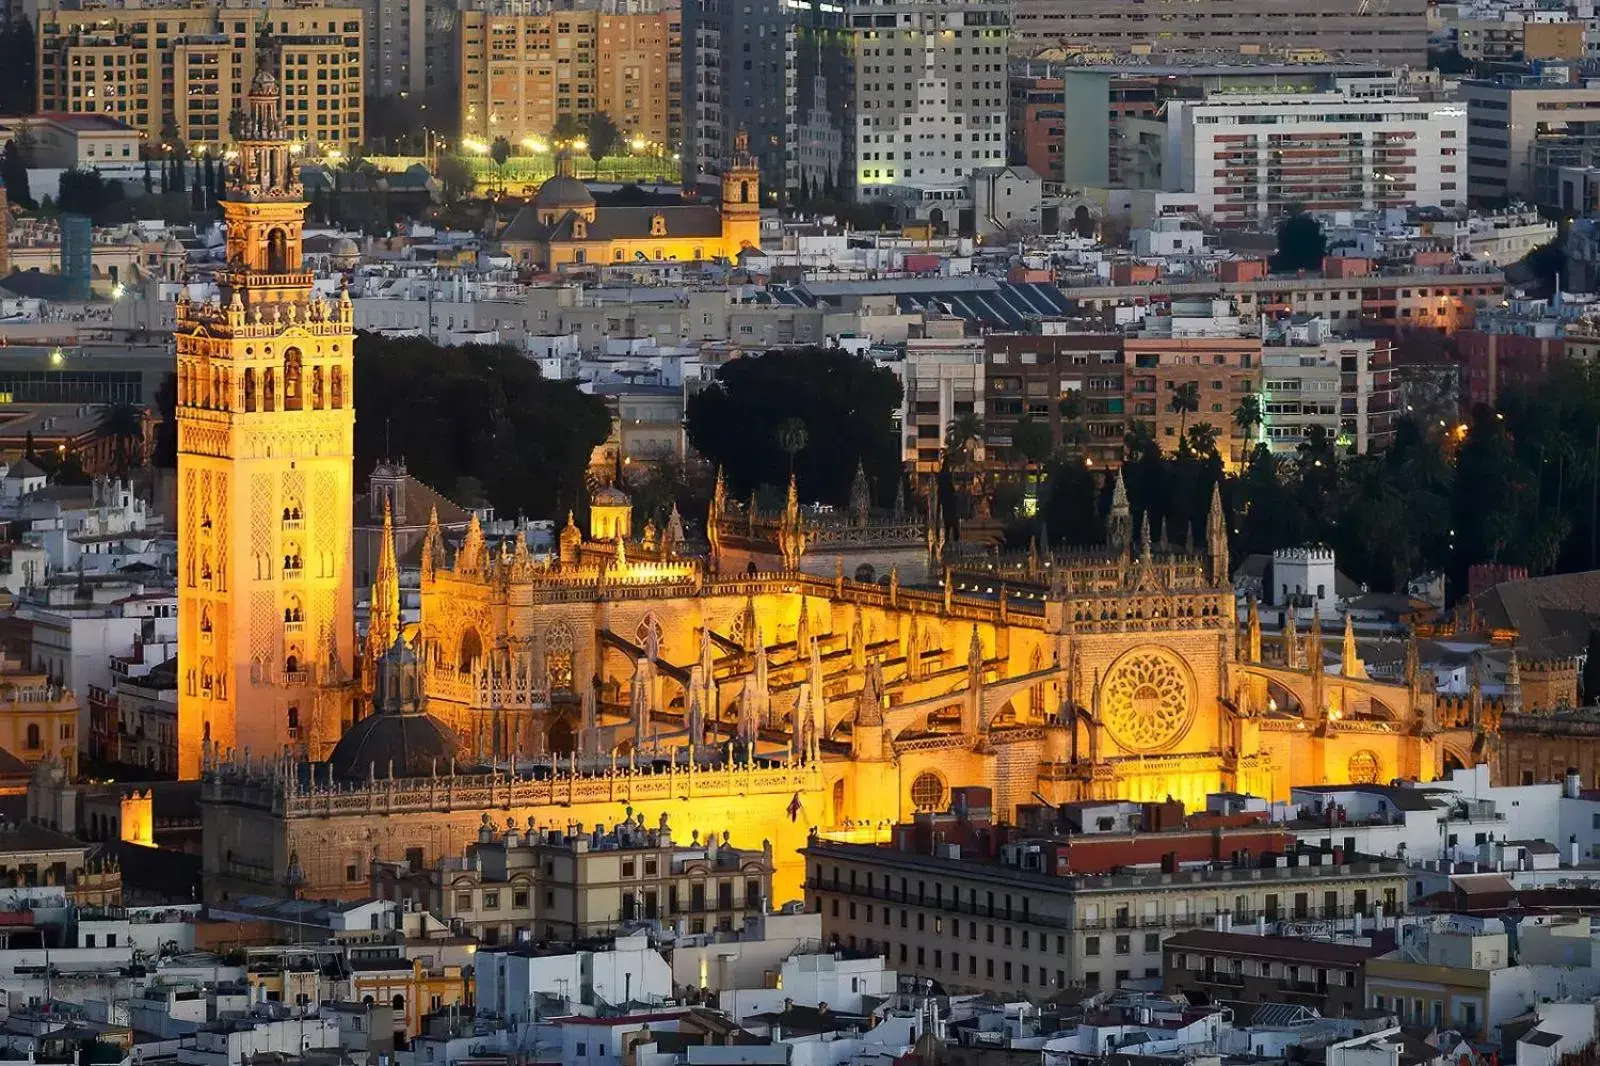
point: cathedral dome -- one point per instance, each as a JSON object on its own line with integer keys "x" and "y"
{"x": 415, "y": 745}
{"x": 609, "y": 496}
{"x": 563, "y": 192}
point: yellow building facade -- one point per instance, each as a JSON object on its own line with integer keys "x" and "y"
{"x": 265, "y": 450}
{"x": 564, "y": 229}
{"x": 188, "y": 68}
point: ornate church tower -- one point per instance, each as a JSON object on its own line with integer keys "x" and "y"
{"x": 265, "y": 446}
{"x": 741, "y": 199}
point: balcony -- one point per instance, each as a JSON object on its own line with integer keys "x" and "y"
{"x": 296, "y": 678}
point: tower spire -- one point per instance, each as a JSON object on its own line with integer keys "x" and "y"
{"x": 1217, "y": 538}
{"x": 383, "y": 624}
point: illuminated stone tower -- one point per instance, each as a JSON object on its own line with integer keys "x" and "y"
{"x": 265, "y": 444}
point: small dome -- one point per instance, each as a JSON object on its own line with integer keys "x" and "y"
{"x": 265, "y": 83}
{"x": 173, "y": 246}
{"x": 563, "y": 191}
{"x": 609, "y": 496}
{"x": 414, "y": 744}
{"x": 346, "y": 246}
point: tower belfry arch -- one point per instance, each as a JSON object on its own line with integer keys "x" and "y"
{"x": 265, "y": 446}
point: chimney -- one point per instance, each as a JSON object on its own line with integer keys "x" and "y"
{"x": 1574, "y": 785}
{"x": 1572, "y": 846}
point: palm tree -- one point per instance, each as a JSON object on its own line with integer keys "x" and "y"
{"x": 1202, "y": 438}
{"x": 792, "y": 438}
{"x": 1137, "y": 441}
{"x": 123, "y": 424}
{"x": 500, "y": 152}
{"x": 1185, "y": 402}
{"x": 964, "y": 430}
{"x": 1247, "y": 416}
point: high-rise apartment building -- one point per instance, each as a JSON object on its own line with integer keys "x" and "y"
{"x": 411, "y": 48}
{"x": 1393, "y": 32}
{"x": 930, "y": 98}
{"x": 523, "y": 65}
{"x": 185, "y": 70}
{"x": 1251, "y": 157}
{"x": 777, "y": 69}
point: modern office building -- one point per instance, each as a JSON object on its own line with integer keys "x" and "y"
{"x": 930, "y": 97}
{"x": 777, "y": 69}
{"x": 1392, "y": 32}
{"x": 522, "y": 67}
{"x": 1510, "y": 120}
{"x": 1250, "y": 158}
{"x": 411, "y": 48}
{"x": 186, "y": 70}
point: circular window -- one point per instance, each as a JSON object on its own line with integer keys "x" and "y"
{"x": 928, "y": 792}
{"x": 1363, "y": 768}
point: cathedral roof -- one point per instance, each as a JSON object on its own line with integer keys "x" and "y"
{"x": 414, "y": 745}
{"x": 684, "y": 222}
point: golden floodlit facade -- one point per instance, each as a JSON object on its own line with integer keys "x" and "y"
{"x": 811, "y": 670}
{"x": 265, "y": 449}
{"x": 623, "y": 678}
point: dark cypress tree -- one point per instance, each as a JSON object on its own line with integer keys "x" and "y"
{"x": 211, "y": 177}
{"x": 149, "y": 179}
{"x": 219, "y": 187}
{"x": 197, "y": 193}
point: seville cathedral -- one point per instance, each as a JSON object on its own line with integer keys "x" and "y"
{"x": 811, "y": 670}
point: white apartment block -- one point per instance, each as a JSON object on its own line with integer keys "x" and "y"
{"x": 1250, "y": 157}
{"x": 941, "y": 377}
{"x": 930, "y": 92}
{"x": 1312, "y": 378}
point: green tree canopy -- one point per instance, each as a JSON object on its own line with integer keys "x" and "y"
{"x": 1301, "y": 243}
{"x": 477, "y": 415}
{"x": 602, "y": 135}
{"x": 846, "y": 402}
{"x": 567, "y": 127}
{"x": 1031, "y": 440}
{"x": 455, "y": 178}
{"x": 82, "y": 191}
{"x": 14, "y": 175}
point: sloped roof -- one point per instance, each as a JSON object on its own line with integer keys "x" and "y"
{"x": 616, "y": 224}
{"x": 1552, "y": 615}
{"x": 419, "y": 499}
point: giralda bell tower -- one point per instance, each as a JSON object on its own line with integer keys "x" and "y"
{"x": 266, "y": 423}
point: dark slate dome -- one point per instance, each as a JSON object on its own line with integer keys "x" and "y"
{"x": 416, "y": 744}
{"x": 563, "y": 191}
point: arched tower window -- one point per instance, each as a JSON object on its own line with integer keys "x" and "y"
{"x": 249, "y": 388}
{"x": 33, "y": 736}
{"x": 277, "y": 252}
{"x": 744, "y": 192}
{"x": 337, "y": 388}
{"x": 269, "y": 390}
{"x": 316, "y": 388}
{"x": 471, "y": 651}
{"x": 291, "y": 380}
